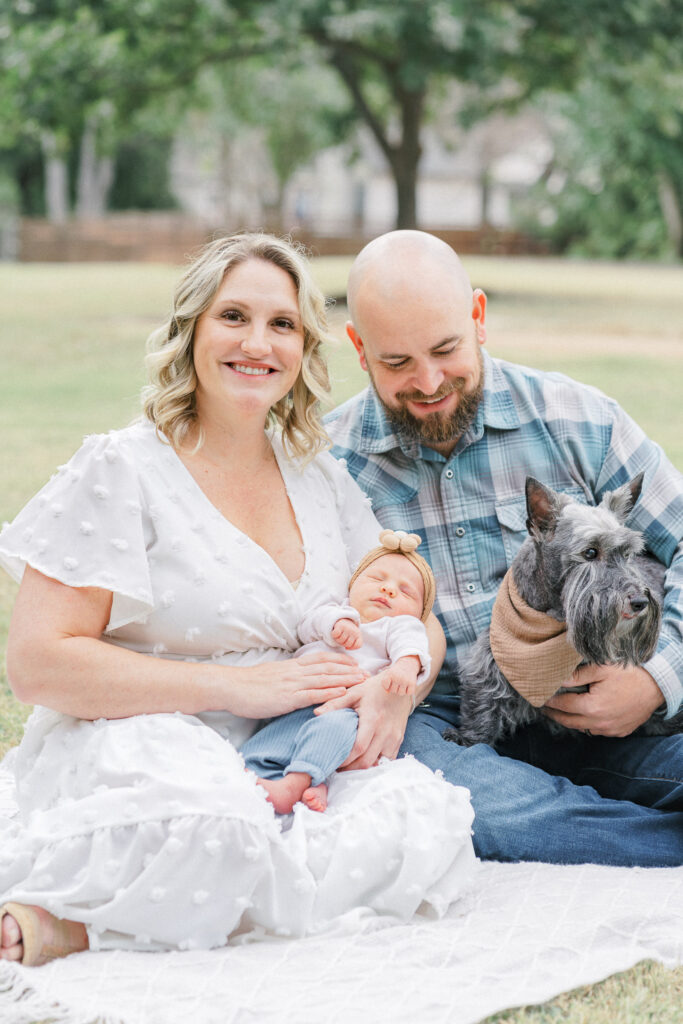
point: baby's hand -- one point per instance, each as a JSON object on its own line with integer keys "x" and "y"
{"x": 347, "y": 633}
{"x": 401, "y": 677}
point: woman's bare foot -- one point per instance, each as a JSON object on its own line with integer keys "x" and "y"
{"x": 315, "y": 797}
{"x": 11, "y": 946}
{"x": 285, "y": 792}
{"x": 34, "y": 935}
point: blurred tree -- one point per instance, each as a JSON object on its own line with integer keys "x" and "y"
{"x": 75, "y": 67}
{"x": 392, "y": 55}
{"x": 74, "y": 72}
{"x": 615, "y": 185}
{"x": 295, "y": 108}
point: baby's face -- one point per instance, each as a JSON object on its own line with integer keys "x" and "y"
{"x": 391, "y": 585}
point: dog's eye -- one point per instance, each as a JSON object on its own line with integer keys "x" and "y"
{"x": 590, "y": 554}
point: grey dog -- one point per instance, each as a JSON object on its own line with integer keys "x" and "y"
{"x": 581, "y": 565}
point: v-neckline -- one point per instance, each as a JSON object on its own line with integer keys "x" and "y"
{"x": 279, "y": 459}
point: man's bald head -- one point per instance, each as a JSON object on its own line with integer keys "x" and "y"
{"x": 417, "y": 327}
{"x": 400, "y": 264}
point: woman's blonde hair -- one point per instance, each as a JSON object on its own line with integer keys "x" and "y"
{"x": 169, "y": 398}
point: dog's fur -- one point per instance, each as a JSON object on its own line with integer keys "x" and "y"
{"x": 581, "y": 565}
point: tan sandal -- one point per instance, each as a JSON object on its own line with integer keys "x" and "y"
{"x": 67, "y": 936}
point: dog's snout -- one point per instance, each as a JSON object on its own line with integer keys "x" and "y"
{"x": 638, "y": 603}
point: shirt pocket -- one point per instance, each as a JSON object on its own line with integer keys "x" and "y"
{"x": 512, "y": 517}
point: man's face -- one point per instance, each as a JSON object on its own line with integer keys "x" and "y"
{"x": 424, "y": 359}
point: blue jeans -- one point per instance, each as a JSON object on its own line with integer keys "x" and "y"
{"x": 574, "y": 800}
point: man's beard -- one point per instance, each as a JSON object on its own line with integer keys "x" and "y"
{"x": 436, "y": 427}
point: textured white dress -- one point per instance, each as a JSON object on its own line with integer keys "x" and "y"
{"x": 147, "y": 828}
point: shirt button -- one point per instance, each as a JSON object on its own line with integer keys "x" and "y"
{"x": 460, "y": 531}
{"x": 449, "y": 474}
{"x": 471, "y": 587}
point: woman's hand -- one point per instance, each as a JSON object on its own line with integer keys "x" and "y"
{"x": 382, "y": 719}
{"x": 277, "y": 687}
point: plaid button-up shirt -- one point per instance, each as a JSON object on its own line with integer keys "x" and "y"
{"x": 470, "y": 508}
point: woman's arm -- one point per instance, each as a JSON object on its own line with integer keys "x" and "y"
{"x": 56, "y": 657}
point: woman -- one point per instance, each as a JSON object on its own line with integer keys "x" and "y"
{"x": 163, "y": 572}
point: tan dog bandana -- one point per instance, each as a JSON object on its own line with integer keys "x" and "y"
{"x": 530, "y": 647}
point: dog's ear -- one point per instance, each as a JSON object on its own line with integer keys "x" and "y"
{"x": 542, "y": 507}
{"x": 621, "y": 501}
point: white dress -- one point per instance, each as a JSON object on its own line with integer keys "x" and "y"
{"x": 147, "y": 828}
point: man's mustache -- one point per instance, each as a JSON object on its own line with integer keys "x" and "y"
{"x": 446, "y": 389}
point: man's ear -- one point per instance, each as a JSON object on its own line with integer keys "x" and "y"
{"x": 479, "y": 314}
{"x": 357, "y": 344}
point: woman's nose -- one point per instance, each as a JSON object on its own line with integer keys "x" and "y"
{"x": 256, "y": 342}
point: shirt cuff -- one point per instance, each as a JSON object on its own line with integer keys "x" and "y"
{"x": 667, "y": 677}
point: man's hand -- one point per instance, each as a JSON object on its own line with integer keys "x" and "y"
{"x": 401, "y": 676}
{"x": 347, "y": 634}
{"x": 618, "y": 701}
{"x": 382, "y": 721}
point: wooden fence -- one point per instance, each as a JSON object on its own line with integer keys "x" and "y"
{"x": 170, "y": 237}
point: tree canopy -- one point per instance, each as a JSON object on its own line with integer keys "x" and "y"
{"x": 69, "y": 66}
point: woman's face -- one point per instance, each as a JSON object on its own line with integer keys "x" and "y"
{"x": 249, "y": 343}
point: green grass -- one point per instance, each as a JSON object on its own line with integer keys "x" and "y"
{"x": 72, "y": 345}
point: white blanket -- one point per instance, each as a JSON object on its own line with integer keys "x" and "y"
{"x": 525, "y": 933}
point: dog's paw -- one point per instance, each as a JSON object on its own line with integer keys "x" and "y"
{"x": 454, "y": 736}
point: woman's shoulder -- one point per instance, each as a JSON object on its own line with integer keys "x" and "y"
{"x": 132, "y": 444}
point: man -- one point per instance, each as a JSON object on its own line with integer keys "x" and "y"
{"x": 442, "y": 442}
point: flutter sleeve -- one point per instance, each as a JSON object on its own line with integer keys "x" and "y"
{"x": 87, "y": 528}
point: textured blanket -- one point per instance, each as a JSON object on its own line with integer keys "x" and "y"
{"x": 524, "y": 933}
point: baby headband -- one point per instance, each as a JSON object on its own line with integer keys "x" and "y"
{"x": 398, "y": 542}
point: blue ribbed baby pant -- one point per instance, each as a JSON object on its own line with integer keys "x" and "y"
{"x": 302, "y": 742}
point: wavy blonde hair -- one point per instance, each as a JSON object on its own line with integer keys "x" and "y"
{"x": 169, "y": 399}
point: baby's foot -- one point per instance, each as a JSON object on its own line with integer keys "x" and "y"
{"x": 315, "y": 797}
{"x": 285, "y": 792}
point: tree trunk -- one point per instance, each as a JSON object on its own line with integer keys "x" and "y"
{"x": 95, "y": 174}
{"x": 56, "y": 180}
{"x": 403, "y": 157}
{"x": 485, "y": 190}
{"x": 671, "y": 211}
{"x": 406, "y": 157}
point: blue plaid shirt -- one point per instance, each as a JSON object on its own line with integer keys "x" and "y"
{"x": 470, "y": 508}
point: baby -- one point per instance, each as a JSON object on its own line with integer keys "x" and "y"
{"x": 391, "y": 594}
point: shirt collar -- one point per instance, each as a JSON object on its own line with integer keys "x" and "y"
{"x": 497, "y": 410}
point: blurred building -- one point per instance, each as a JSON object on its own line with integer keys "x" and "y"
{"x": 470, "y": 180}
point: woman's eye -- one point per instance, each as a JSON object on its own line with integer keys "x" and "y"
{"x": 233, "y": 315}
{"x": 284, "y": 324}
{"x": 590, "y": 554}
